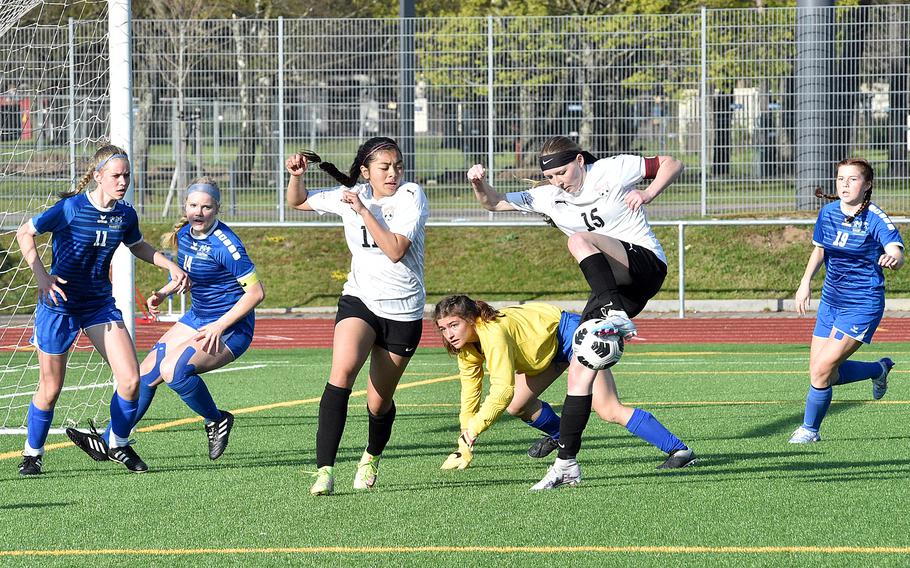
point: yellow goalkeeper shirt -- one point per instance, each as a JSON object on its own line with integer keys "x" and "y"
{"x": 522, "y": 340}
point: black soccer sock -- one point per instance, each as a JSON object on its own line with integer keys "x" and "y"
{"x": 576, "y": 410}
{"x": 333, "y": 413}
{"x": 604, "y": 291}
{"x": 380, "y": 430}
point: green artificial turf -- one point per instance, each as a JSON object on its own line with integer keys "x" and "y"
{"x": 751, "y": 500}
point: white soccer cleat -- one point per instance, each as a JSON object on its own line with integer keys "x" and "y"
{"x": 563, "y": 472}
{"x": 325, "y": 481}
{"x": 803, "y": 435}
{"x": 367, "y": 471}
{"x": 617, "y": 321}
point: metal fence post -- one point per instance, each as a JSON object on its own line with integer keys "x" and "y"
{"x": 704, "y": 112}
{"x": 681, "y": 244}
{"x": 71, "y": 123}
{"x": 490, "y": 106}
{"x": 279, "y": 178}
{"x": 406, "y": 62}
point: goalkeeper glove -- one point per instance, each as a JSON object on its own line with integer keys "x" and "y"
{"x": 461, "y": 458}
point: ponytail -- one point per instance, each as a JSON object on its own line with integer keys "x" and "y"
{"x": 364, "y": 157}
{"x": 169, "y": 239}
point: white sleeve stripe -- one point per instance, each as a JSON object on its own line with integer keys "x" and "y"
{"x": 131, "y": 245}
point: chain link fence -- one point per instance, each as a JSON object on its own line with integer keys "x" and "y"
{"x": 759, "y": 104}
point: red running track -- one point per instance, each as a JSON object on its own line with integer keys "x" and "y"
{"x": 288, "y": 333}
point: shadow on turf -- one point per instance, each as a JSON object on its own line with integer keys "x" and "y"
{"x": 16, "y": 506}
{"x": 782, "y": 427}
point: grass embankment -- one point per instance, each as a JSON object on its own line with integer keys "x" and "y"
{"x": 307, "y": 267}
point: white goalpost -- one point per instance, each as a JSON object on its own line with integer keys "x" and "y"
{"x": 64, "y": 90}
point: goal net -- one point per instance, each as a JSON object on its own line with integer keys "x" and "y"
{"x": 53, "y": 115}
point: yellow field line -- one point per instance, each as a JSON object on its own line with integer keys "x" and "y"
{"x": 248, "y": 410}
{"x": 362, "y": 392}
{"x": 472, "y": 549}
{"x": 691, "y": 372}
{"x": 684, "y": 403}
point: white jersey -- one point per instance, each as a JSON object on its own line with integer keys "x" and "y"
{"x": 392, "y": 290}
{"x": 599, "y": 207}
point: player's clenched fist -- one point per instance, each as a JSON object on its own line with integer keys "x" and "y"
{"x": 477, "y": 173}
{"x": 296, "y": 164}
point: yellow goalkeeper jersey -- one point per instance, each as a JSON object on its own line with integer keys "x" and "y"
{"x": 522, "y": 340}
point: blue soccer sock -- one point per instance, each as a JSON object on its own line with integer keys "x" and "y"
{"x": 852, "y": 371}
{"x": 817, "y": 403}
{"x": 547, "y": 422}
{"x": 146, "y": 391}
{"x": 645, "y": 426}
{"x": 38, "y": 423}
{"x": 123, "y": 415}
{"x": 146, "y": 394}
{"x": 196, "y": 395}
{"x": 192, "y": 388}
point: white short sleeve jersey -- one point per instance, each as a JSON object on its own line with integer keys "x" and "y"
{"x": 599, "y": 207}
{"x": 393, "y": 290}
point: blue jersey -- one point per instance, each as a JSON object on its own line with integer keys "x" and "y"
{"x": 853, "y": 277}
{"x": 218, "y": 267}
{"x": 85, "y": 238}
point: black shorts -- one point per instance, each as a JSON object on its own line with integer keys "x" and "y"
{"x": 398, "y": 337}
{"x": 648, "y": 274}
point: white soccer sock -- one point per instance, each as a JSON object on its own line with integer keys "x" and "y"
{"x": 116, "y": 441}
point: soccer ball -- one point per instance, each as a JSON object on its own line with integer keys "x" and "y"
{"x": 596, "y": 351}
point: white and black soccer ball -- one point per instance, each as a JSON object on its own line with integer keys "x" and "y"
{"x": 596, "y": 351}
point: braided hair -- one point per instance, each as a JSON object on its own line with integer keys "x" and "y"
{"x": 465, "y": 308}
{"x": 867, "y": 173}
{"x": 99, "y": 160}
{"x": 366, "y": 153}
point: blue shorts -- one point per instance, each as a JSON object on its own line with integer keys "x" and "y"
{"x": 55, "y": 332}
{"x": 237, "y": 338}
{"x": 565, "y": 334}
{"x": 859, "y": 324}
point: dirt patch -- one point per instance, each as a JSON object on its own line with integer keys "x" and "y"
{"x": 780, "y": 239}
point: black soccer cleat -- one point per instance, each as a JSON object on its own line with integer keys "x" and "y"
{"x": 543, "y": 447}
{"x": 218, "y": 433}
{"x": 128, "y": 457}
{"x": 89, "y": 442}
{"x": 678, "y": 459}
{"x": 30, "y": 466}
